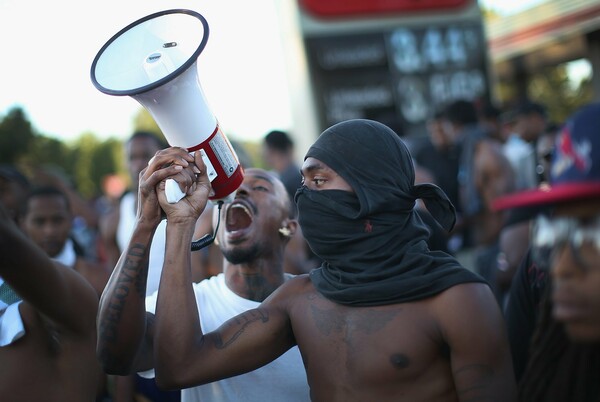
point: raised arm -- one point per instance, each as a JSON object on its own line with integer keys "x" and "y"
{"x": 474, "y": 329}
{"x": 124, "y": 327}
{"x": 56, "y": 291}
{"x": 184, "y": 357}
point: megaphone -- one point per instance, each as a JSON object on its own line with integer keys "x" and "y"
{"x": 154, "y": 60}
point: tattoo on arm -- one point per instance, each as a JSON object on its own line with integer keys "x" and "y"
{"x": 133, "y": 274}
{"x": 241, "y": 323}
{"x": 474, "y": 382}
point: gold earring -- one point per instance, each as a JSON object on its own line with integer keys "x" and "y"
{"x": 285, "y": 231}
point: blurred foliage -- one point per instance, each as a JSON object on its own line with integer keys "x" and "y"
{"x": 83, "y": 163}
{"x": 553, "y": 88}
{"x": 16, "y": 136}
{"x": 143, "y": 121}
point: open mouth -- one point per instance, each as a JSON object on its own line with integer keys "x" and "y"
{"x": 238, "y": 217}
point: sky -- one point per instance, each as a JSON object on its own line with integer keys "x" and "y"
{"x": 51, "y": 45}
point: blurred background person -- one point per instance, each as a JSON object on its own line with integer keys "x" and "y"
{"x": 439, "y": 155}
{"x": 530, "y": 122}
{"x": 48, "y": 324}
{"x": 47, "y": 219}
{"x": 553, "y": 313}
{"x": 278, "y": 153}
{"x": 484, "y": 174}
{"x": 14, "y": 187}
{"x": 514, "y": 236}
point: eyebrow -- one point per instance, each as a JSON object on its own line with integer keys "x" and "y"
{"x": 262, "y": 177}
{"x": 312, "y": 166}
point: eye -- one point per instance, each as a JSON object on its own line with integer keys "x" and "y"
{"x": 318, "y": 181}
{"x": 38, "y": 221}
{"x": 260, "y": 188}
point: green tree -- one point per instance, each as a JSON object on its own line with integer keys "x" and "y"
{"x": 143, "y": 121}
{"x": 16, "y": 135}
{"x": 553, "y": 88}
{"x": 107, "y": 160}
{"x": 47, "y": 151}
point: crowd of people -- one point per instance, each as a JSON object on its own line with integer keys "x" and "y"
{"x": 462, "y": 265}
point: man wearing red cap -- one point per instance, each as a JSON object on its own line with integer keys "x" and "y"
{"x": 558, "y": 285}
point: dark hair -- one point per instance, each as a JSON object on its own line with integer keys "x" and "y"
{"x": 11, "y": 173}
{"x": 150, "y": 135}
{"x": 279, "y": 140}
{"x": 490, "y": 111}
{"x": 527, "y": 107}
{"x": 552, "y": 129}
{"x": 461, "y": 112}
{"x": 559, "y": 369}
{"x": 44, "y": 191}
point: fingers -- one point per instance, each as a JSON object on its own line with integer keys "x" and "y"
{"x": 169, "y": 156}
{"x": 165, "y": 163}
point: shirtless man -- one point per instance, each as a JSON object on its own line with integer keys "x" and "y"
{"x": 252, "y": 270}
{"x": 382, "y": 319}
{"x": 49, "y": 353}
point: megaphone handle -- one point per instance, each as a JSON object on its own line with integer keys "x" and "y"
{"x": 172, "y": 191}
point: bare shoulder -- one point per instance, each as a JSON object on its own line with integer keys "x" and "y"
{"x": 78, "y": 298}
{"x": 468, "y": 307}
{"x": 464, "y": 297}
{"x": 295, "y": 286}
{"x": 465, "y": 293}
{"x": 298, "y": 283}
{"x": 491, "y": 152}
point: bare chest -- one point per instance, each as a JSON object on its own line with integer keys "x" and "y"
{"x": 48, "y": 365}
{"x": 374, "y": 345}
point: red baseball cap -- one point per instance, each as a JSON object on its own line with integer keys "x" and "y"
{"x": 575, "y": 169}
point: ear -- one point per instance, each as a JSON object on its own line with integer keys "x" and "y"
{"x": 288, "y": 228}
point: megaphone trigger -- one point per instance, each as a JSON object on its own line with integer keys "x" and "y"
{"x": 210, "y": 169}
{"x": 173, "y": 192}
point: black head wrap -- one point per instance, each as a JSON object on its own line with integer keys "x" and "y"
{"x": 373, "y": 243}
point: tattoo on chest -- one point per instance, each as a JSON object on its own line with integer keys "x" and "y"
{"x": 330, "y": 321}
{"x": 238, "y": 325}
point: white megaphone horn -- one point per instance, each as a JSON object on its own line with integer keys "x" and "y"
{"x": 153, "y": 60}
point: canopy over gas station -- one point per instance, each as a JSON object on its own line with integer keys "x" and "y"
{"x": 553, "y": 32}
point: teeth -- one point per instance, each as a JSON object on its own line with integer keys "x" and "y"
{"x": 243, "y": 208}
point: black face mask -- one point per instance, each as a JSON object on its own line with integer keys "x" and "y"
{"x": 372, "y": 243}
{"x": 326, "y": 219}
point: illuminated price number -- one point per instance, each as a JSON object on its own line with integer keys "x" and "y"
{"x": 435, "y": 49}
